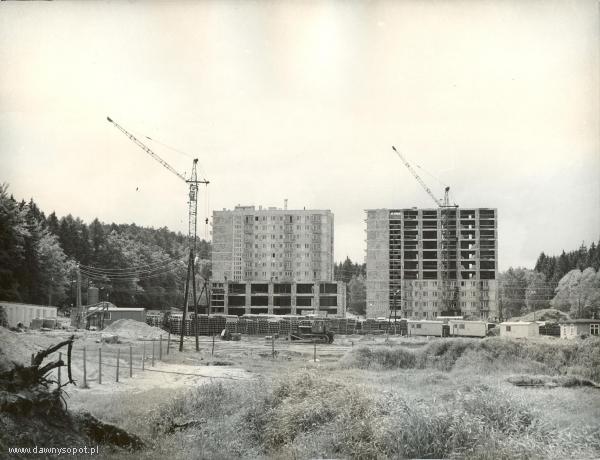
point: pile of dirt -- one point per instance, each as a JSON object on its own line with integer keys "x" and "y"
{"x": 547, "y": 314}
{"x": 33, "y": 411}
{"x": 129, "y": 329}
{"x": 14, "y": 347}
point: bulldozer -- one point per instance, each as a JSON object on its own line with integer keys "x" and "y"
{"x": 316, "y": 332}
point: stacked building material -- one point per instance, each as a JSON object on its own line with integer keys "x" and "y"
{"x": 231, "y": 324}
{"x": 263, "y": 325}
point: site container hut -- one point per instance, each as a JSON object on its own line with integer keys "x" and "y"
{"x": 577, "y": 327}
{"x": 519, "y": 329}
{"x": 463, "y": 328}
{"x": 425, "y": 327}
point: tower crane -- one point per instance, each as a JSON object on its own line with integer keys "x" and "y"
{"x": 192, "y": 225}
{"x": 449, "y": 243}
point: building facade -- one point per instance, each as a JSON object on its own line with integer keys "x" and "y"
{"x": 274, "y": 261}
{"x": 425, "y": 262}
{"x": 275, "y": 298}
{"x": 272, "y": 244}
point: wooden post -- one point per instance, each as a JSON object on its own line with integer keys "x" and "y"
{"x": 315, "y": 355}
{"x": 118, "y": 358}
{"x": 144, "y": 357}
{"x": 84, "y": 369}
{"x": 160, "y": 348}
{"x": 273, "y": 346}
{"x": 32, "y": 359}
{"x": 130, "y": 361}
{"x": 60, "y": 359}
{"x": 100, "y": 365}
{"x": 169, "y": 341}
{"x": 213, "y": 346}
{"x": 153, "y": 340}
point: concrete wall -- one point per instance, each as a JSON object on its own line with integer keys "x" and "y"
{"x": 23, "y": 313}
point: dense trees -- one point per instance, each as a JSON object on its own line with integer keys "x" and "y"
{"x": 569, "y": 282}
{"x": 131, "y": 265}
{"x": 33, "y": 266}
{"x": 353, "y": 274}
{"x": 578, "y": 293}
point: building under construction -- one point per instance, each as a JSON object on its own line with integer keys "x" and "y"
{"x": 424, "y": 263}
{"x": 276, "y": 261}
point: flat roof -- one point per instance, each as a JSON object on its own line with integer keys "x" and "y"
{"x": 18, "y": 304}
{"x": 518, "y": 323}
{"x": 579, "y": 321}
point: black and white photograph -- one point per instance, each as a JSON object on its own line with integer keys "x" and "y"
{"x": 300, "y": 230}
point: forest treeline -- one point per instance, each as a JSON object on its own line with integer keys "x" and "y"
{"x": 132, "y": 266}
{"x": 135, "y": 266}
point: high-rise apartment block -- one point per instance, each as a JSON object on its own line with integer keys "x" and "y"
{"x": 275, "y": 261}
{"x": 272, "y": 244}
{"x": 420, "y": 261}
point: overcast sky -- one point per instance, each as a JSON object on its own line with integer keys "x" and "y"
{"x": 303, "y": 101}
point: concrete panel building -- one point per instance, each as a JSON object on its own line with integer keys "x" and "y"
{"x": 272, "y": 244}
{"x": 420, "y": 261}
{"x": 275, "y": 261}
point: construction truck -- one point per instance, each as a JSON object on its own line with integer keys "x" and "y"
{"x": 316, "y": 332}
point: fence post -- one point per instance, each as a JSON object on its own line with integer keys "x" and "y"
{"x": 100, "y": 365}
{"x": 144, "y": 357}
{"x": 130, "y": 361}
{"x": 169, "y": 341}
{"x": 315, "y": 355}
{"x": 153, "y": 352}
{"x": 118, "y": 357}
{"x": 273, "y": 346}
{"x": 160, "y": 348}
{"x": 60, "y": 359}
{"x": 84, "y": 369}
{"x": 213, "y": 346}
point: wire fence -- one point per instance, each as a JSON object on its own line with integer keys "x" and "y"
{"x": 106, "y": 363}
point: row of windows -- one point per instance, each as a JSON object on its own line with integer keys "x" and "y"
{"x": 281, "y": 218}
{"x": 266, "y": 275}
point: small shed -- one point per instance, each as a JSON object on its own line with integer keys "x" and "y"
{"x": 26, "y": 313}
{"x": 574, "y": 328}
{"x": 519, "y": 329}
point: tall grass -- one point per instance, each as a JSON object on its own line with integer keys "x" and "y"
{"x": 308, "y": 415}
{"x": 581, "y": 357}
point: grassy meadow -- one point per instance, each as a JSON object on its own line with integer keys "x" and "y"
{"x": 449, "y": 398}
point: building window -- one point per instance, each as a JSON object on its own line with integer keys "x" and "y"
{"x": 594, "y": 329}
{"x": 507, "y": 328}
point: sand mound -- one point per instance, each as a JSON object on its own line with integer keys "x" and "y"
{"x": 547, "y": 314}
{"x": 129, "y": 329}
{"x": 13, "y": 347}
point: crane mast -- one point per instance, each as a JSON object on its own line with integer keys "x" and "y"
{"x": 448, "y": 243}
{"x": 192, "y": 226}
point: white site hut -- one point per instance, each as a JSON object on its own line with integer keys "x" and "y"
{"x": 519, "y": 329}
{"x": 571, "y": 329}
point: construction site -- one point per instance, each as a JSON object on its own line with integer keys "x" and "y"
{"x": 289, "y": 230}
